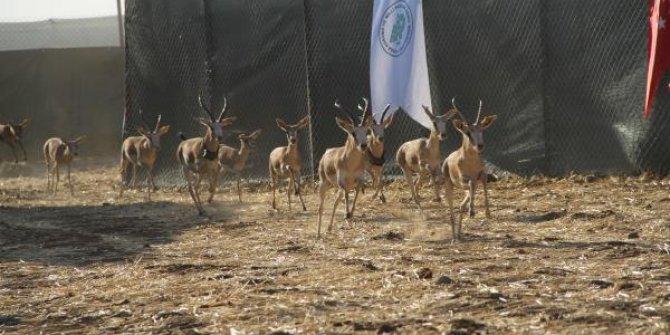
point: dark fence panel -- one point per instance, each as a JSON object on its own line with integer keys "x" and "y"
{"x": 566, "y": 78}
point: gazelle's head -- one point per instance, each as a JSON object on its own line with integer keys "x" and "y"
{"x": 17, "y": 129}
{"x": 473, "y": 134}
{"x": 73, "y": 145}
{"x": 250, "y": 140}
{"x": 291, "y": 130}
{"x": 440, "y": 121}
{"x": 359, "y": 131}
{"x": 377, "y": 128}
{"x": 215, "y": 125}
{"x": 154, "y": 137}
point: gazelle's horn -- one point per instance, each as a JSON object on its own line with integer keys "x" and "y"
{"x": 365, "y": 111}
{"x": 479, "y": 112}
{"x": 349, "y": 115}
{"x": 211, "y": 118}
{"x": 158, "y": 123}
{"x": 225, "y": 106}
{"x": 453, "y": 103}
{"x": 386, "y": 109}
{"x": 146, "y": 124}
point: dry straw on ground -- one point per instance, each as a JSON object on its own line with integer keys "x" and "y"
{"x": 576, "y": 255}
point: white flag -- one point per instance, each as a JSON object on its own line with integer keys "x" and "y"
{"x": 398, "y": 65}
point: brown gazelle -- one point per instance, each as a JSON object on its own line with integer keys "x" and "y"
{"x": 343, "y": 167}
{"x": 11, "y": 134}
{"x": 235, "y": 159}
{"x": 286, "y": 161}
{"x": 465, "y": 167}
{"x": 422, "y": 155}
{"x": 58, "y": 152}
{"x": 375, "y": 152}
{"x": 142, "y": 151}
{"x": 199, "y": 156}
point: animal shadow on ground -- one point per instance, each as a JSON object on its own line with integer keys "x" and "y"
{"x": 79, "y": 235}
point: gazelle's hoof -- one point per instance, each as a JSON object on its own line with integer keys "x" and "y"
{"x": 472, "y": 214}
{"x": 383, "y": 199}
{"x": 348, "y": 216}
{"x": 304, "y": 209}
{"x": 438, "y": 199}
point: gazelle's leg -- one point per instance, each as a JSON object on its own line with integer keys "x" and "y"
{"x": 338, "y": 199}
{"x": 124, "y": 168}
{"x": 133, "y": 180}
{"x": 239, "y": 192}
{"x": 323, "y": 188}
{"x": 298, "y": 190}
{"x": 151, "y": 187}
{"x": 449, "y": 193}
{"x": 359, "y": 185}
{"x": 192, "y": 190}
{"x": 484, "y": 178}
{"x": 16, "y": 158}
{"x": 289, "y": 187}
{"x": 274, "y": 177}
{"x": 57, "y": 179}
{"x": 213, "y": 181}
{"x": 471, "y": 203}
{"x": 69, "y": 180}
{"x": 48, "y": 177}
{"x": 25, "y": 156}
{"x": 412, "y": 188}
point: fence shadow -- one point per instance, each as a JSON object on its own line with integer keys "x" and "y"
{"x": 80, "y": 235}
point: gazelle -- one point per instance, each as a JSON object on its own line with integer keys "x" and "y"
{"x": 422, "y": 155}
{"x": 142, "y": 151}
{"x": 375, "y": 152}
{"x": 234, "y": 159}
{"x": 343, "y": 167}
{"x": 58, "y": 152}
{"x": 286, "y": 161}
{"x": 11, "y": 134}
{"x": 465, "y": 167}
{"x": 199, "y": 156}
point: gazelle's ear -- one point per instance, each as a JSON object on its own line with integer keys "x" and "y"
{"x": 228, "y": 121}
{"x": 163, "y": 130}
{"x": 79, "y": 139}
{"x": 203, "y": 121}
{"x": 387, "y": 121}
{"x": 256, "y": 133}
{"x": 24, "y": 123}
{"x": 428, "y": 112}
{"x": 451, "y": 113}
{"x": 303, "y": 123}
{"x": 281, "y": 124}
{"x": 142, "y": 131}
{"x": 459, "y": 125}
{"x": 344, "y": 124}
{"x": 486, "y": 121}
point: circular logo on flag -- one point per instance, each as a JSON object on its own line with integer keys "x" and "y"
{"x": 396, "y": 28}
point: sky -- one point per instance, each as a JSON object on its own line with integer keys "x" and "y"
{"x": 38, "y": 10}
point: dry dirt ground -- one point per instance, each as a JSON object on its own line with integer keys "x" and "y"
{"x": 572, "y": 256}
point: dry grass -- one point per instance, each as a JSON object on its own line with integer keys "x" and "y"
{"x": 559, "y": 256}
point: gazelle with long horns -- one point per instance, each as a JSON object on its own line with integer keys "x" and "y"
{"x": 59, "y": 152}
{"x": 199, "y": 156}
{"x": 343, "y": 167}
{"x": 286, "y": 162}
{"x": 235, "y": 159}
{"x": 465, "y": 167}
{"x": 11, "y": 134}
{"x": 375, "y": 153}
{"x": 422, "y": 156}
{"x": 142, "y": 151}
